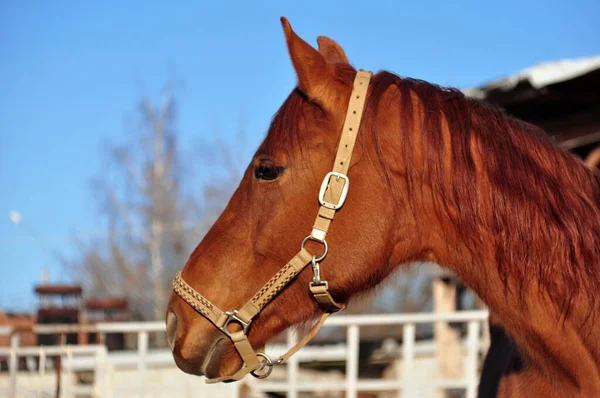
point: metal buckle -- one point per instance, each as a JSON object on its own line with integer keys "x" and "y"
{"x": 232, "y": 317}
{"x": 325, "y": 185}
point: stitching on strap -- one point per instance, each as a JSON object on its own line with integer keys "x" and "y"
{"x": 193, "y": 298}
{"x": 268, "y": 285}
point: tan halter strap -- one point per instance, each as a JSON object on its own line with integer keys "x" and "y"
{"x": 334, "y": 188}
{"x": 332, "y": 195}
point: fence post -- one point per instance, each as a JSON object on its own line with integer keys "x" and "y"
{"x": 13, "y": 364}
{"x": 353, "y": 346}
{"x": 101, "y": 373}
{"x": 69, "y": 371}
{"x": 472, "y": 356}
{"x": 292, "y": 366}
{"x": 448, "y": 343}
{"x": 142, "y": 352}
{"x": 41, "y": 370}
{"x": 408, "y": 356}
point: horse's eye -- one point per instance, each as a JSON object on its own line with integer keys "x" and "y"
{"x": 267, "y": 171}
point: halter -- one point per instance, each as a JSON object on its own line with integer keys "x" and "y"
{"x": 332, "y": 195}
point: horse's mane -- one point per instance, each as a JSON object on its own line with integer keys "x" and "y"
{"x": 541, "y": 204}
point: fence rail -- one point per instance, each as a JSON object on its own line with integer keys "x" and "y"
{"x": 96, "y": 359}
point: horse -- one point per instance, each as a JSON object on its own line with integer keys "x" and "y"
{"x": 436, "y": 176}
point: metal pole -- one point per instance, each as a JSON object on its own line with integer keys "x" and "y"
{"x": 16, "y": 218}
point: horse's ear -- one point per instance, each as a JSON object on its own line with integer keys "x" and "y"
{"x": 333, "y": 52}
{"x": 315, "y": 75}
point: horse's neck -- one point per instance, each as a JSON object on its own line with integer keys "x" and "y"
{"x": 557, "y": 352}
{"x": 558, "y": 347}
{"x": 562, "y": 349}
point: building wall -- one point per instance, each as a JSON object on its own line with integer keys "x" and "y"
{"x": 18, "y": 321}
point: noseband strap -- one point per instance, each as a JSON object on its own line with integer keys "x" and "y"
{"x": 331, "y": 197}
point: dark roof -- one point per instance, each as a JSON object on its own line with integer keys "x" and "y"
{"x": 58, "y": 312}
{"x": 562, "y": 97}
{"x": 58, "y": 289}
{"x": 106, "y": 303}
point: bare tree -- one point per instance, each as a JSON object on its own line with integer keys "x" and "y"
{"x": 151, "y": 223}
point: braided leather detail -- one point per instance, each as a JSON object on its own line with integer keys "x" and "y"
{"x": 192, "y": 297}
{"x": 258, "y": 299}
{"x": 273, "y": 292}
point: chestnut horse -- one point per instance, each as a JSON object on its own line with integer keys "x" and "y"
{"x": 435, "y": 177}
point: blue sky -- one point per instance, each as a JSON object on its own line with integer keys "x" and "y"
{"x": 70, "y": 77}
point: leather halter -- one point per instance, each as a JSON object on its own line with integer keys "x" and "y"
{"x": 331, "y": 197}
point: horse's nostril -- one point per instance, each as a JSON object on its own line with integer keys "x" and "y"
{"x": 171, "y": 329}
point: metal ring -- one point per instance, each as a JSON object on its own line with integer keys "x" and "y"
{"x": 268, "y": 363}
{"x": 324, "y": 242}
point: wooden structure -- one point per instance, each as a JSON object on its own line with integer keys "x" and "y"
{"x": 59, "y": 304}
{"x": 23, "y": 322}
{"x": 106, "y": 309}
{"x": 561, "y": 97}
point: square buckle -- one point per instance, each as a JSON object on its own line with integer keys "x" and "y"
{"x": 233, "y": 318}
{"x": 325, "y": 185}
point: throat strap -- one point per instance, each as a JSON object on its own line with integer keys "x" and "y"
{"x": 323, "y": 297}
{"x": 307, "y": 338}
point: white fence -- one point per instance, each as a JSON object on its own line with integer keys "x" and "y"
{"x": 142, "y": 372}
